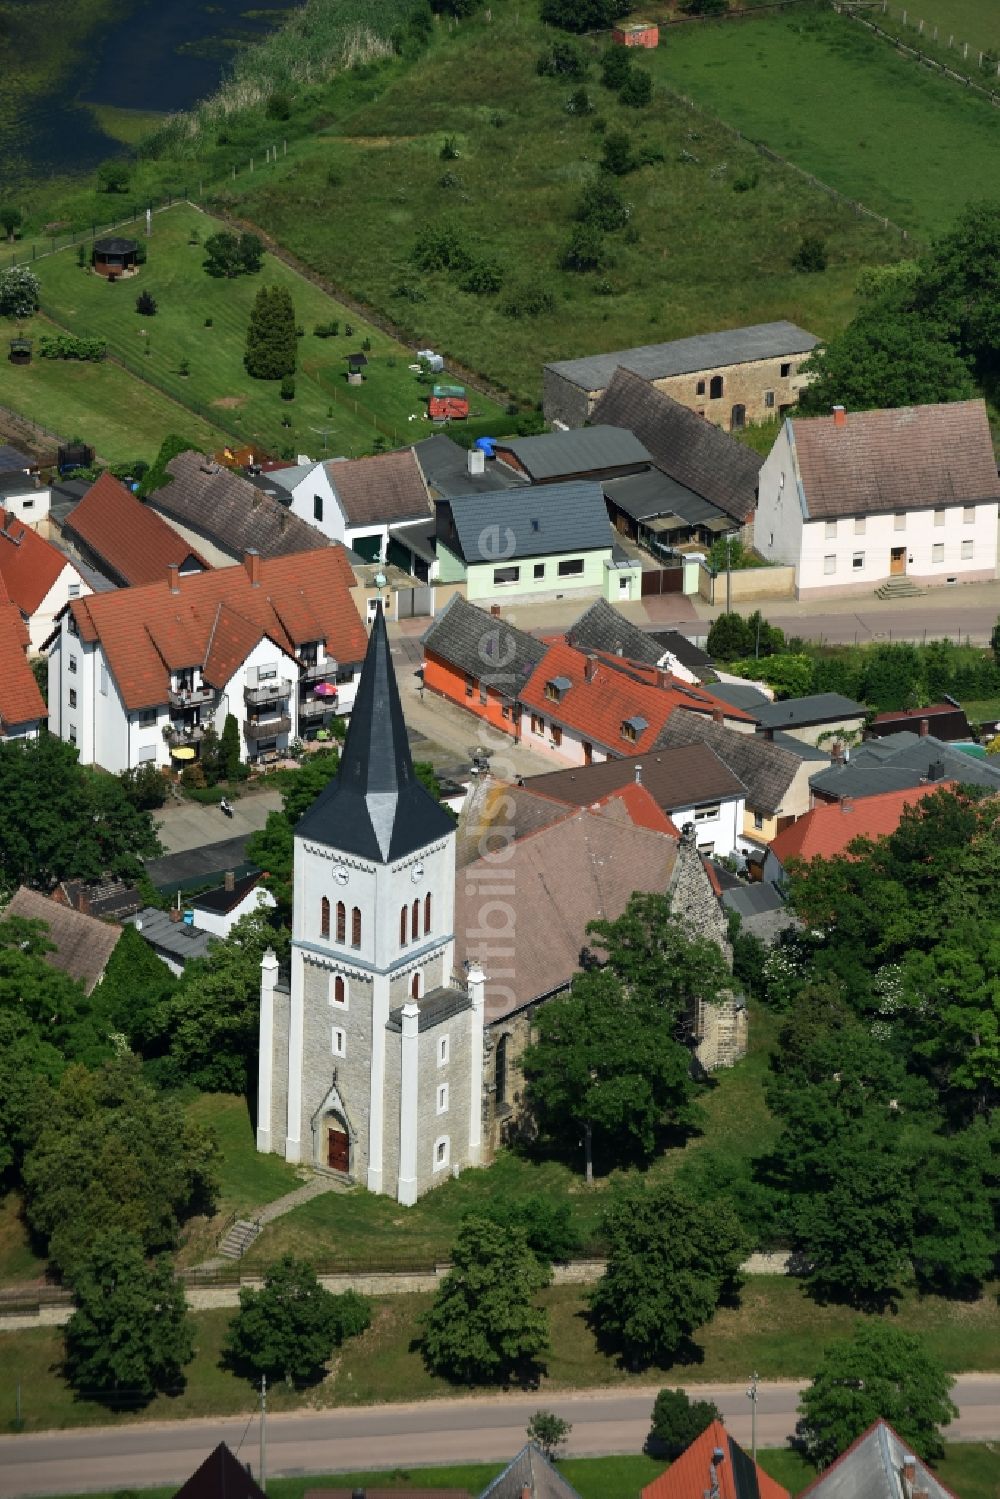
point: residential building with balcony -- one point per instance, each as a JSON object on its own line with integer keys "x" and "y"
{"x": 139, "y": 675}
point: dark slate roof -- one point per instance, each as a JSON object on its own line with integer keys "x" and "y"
{"x": 532, "y": 1475}
{"x": 687, "y": 775}
{"x": 221, "y": 1476}
{"x": 193, "y": 866}
{"x": 436, "y": 1006}
{"x": 178, "y": 939}
{"x": 471, "y": 640}
{"x": 602, "y": 628}
{"x": 586, "y": 450}
{"x": 12, "y": 459}
{"x": 222, "y": 900}
{"x": 706, "y": 351}
{"x": 18, "y": 482}
{"x": 741, "y": 695}
{"x": 115, "y": 245}
{"x": 543, "y": 521}
{"x": 66, "y": 495}
{"x": 695, "y": 452}
{"x": 800, "y": 712}
{"x": 797, "y": 746}
{"x": 375, "y": 807}
{"x": 647, "y": 495}
{"x": 687, "y": 653}
{"x": 765, "y": 769}
{"x": 900, "y": 761}
{"x": 231, "y": 511}
{"x": 445, "y": 466}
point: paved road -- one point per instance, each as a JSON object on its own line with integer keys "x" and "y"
{"x": 435, "y": 1431}
{"x": 184, "y": 825}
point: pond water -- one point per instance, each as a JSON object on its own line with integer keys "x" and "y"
{"x": 148, "y": 55}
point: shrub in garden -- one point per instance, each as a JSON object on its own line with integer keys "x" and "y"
{"x": 230, "y": 255}
{"x": 184, "y": 369}
{"x": 561, "y": 60}
{"x": 583, "y": 15}
{"x": 617, "y": 155}
{"x": 811, "y": 254}
{"x": 585, "y": 250}
{"x": 616, "y": 67}
{"x": 441, "y": 248}
{"x": 68, "y": 346}
{"x": 603, "y": 206}
{"x": 288, "y": 388}
{"x": 18, "y": 292}
{"x": 279, "y": 106}
{"x": 145, "y": 304}
{"x": 449, "y": 151}
{"x": 579, "y": 102}
{"x": 637, "y": 90}
{"x": 326, "y": 330}
{"x": 483, "y": 278}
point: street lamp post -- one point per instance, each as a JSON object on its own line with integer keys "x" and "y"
{"x": 752, "y": 1397}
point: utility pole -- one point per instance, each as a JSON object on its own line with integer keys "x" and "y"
{"x": 729, "y": 584}
{"x": 752, "y": 1397}
{"x": 263, "y": 1434}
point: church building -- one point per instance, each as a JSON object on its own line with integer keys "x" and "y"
{"x": 371, "y": 1051}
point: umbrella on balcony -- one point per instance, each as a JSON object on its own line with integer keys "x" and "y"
{"x": 185, "y": 752}
{"x": 325, "y": 689}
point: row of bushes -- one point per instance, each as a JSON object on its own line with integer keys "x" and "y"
{"x": 70, "y": 346}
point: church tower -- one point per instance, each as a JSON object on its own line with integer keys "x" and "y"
{"x": 371, "y": 1053}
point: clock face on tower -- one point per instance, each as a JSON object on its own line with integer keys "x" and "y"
{"x": 417, "y": 873}
{"x": 340, "y": 874}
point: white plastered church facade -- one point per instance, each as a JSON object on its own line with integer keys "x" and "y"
{"x": 371, "y": 1051}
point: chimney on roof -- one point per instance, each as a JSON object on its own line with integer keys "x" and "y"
{"x": 846, "y": 804}
{"x": 925, "y": 728}
{"x": 589, "y": 668}
{"x": 176, "y": 914}
{"x": 638, "y": 775}
{"x": 83, "y": 903}
{"x": 717, "y": 715}
{"x": 769, "y": 733}
{"x": 251, "y": 561}
{"x": 662, "y": 677}
{"x": 837, "y": 752}
{"x": 935, "y": 770}
{"x": 476, "y": 461}
{"x": 495, "y": 611}
{"x": 909, "y": 1474}
{"x": 229, "y": 881}
{"x": 839, "y": 416}
{"x": 174, "y": 577}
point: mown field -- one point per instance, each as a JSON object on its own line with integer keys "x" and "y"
{"x": 697, "y": 253}
{"x": 837, "y": 101}
{"x": 200, "y": 326}
{"x": 974, "y": 21}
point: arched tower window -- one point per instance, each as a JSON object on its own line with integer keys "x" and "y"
{"x": 427, "y": 913}
{"x": 500, "y": 1071}
{"x": 339, "y": 991}
{"x": 415, "y": 986}
{"x": 715, "y": 388}
{"x": 356, "y": 927}
{"x": 324, "y": 917}
{"x": 402, "y": 927}
{"x": 341, "y": 921}
{"x": 416, "y": 919}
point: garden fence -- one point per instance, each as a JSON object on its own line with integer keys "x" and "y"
{"x": 987, "y": 63}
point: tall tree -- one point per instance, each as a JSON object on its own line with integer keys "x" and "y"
{"x": 959, "y": 285}
{"x": 129, "y": 1336}
{"x": 484, "y": 1327}
{"x": 272, "y": 348}
{"x": 880, "y": 1371}
{"x": 669, "y": 1263}
{"x": 290, "y": 1327}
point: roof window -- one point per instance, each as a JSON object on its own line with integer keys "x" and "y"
{"x": 555, "y": 687}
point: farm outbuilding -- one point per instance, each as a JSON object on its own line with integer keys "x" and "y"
{"x": 637, "y": 34}
{"x": 114, "y": 257}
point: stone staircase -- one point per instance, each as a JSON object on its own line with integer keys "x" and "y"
{"x": 238, "y": 1238}
{"x": 899, "y": 588}
{"x": 243, "y": 1231}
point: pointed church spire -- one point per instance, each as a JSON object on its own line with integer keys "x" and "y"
{"x": 375, "y": 807}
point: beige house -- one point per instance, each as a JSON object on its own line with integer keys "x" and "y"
{"x": 737, "y": 376}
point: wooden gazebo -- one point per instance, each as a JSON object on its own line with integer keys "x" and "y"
{"x": 114, "y": 257}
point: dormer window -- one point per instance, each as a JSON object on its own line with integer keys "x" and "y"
{"x": 556, "y": 687}
{"x": 632, "y": 728}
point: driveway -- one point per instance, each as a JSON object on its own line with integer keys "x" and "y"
{"x": 184, "y": 825}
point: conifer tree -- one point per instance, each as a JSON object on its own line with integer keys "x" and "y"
{"x": 271, "y": 340}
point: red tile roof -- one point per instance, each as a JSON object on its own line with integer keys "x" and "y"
{"x": 132, "y": 540}
{"x": 908, "y": 458}
{"x": 616, "y": 690}
{"x": 690, "y": 1476}
{"x": 28, "y": 565}
{"x": 20, "y": 698}
{"x": 641, "y": 808}
{"x": 149, "y": 631}
{"x": 915, "y": 713}
{"x": 826, "y": 831}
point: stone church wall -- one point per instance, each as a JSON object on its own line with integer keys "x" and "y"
{"x": 318, "y": 1062}
{"x": 390, "y": 1142}
{"x": 279, "y": 1072}
{"x": 457, "y": 1074}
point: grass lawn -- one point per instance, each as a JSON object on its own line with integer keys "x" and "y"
{"x": 974, "y": 21}
{"x": 695, "y": 255}
{"x": 123, "y": 418}
{"x": 217, "y": 386}
{"x": 982, "y": 709}
{"x": 776, "y": 1329}
{"x": 845, "y": 106}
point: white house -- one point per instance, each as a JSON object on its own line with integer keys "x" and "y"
{"x": 27, "y": 498}
{"x": 859, "y": 500}
{"x": 218, "y": 911}
{"x": 136, "y": 676}
{"x": 372, "y": 505}
{"x": 37, "y": 577}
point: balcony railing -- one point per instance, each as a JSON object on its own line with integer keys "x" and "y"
{"x": 316, "y": 707}
{"x": 318, "y": 671}
{"x": 267, "y": 728}
{"x": 177, "y": 735}
{"x": 268, "y": 692}
{"x": 191, "y": 697}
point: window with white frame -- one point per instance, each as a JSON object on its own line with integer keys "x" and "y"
{"x": 339, "y": 1041}
{"x": 71, "y": 662}
{"x": 969, "y": 514}
{"x": 572, "y": 567}
{"x": 858, "y": 561}
{"x": 442, "y": 1152}
{"x": 442, "y": 1098}
{"x": 968, "y": 550}
{"x": 860, "y": 525}
{"x": 505, "y": 575}
{"x": 74, "y": 590}
{"x": 444, "y": 1050}
{"x": 939, "y": 517}
{"x": 937, "y": 552}
{"x": 899, "y": 521}
{"x": 72, "y": 733}
{"x": 829, "y": 565}
{"x": 831, "y": 530}
{"x": 706, "y": 814}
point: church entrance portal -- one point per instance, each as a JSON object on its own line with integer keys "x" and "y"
{"x": 338, "y": 1149}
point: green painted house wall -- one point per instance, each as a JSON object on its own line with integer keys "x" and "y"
{"x": 482, "y": 586}
{"x": 451, "y": 568}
